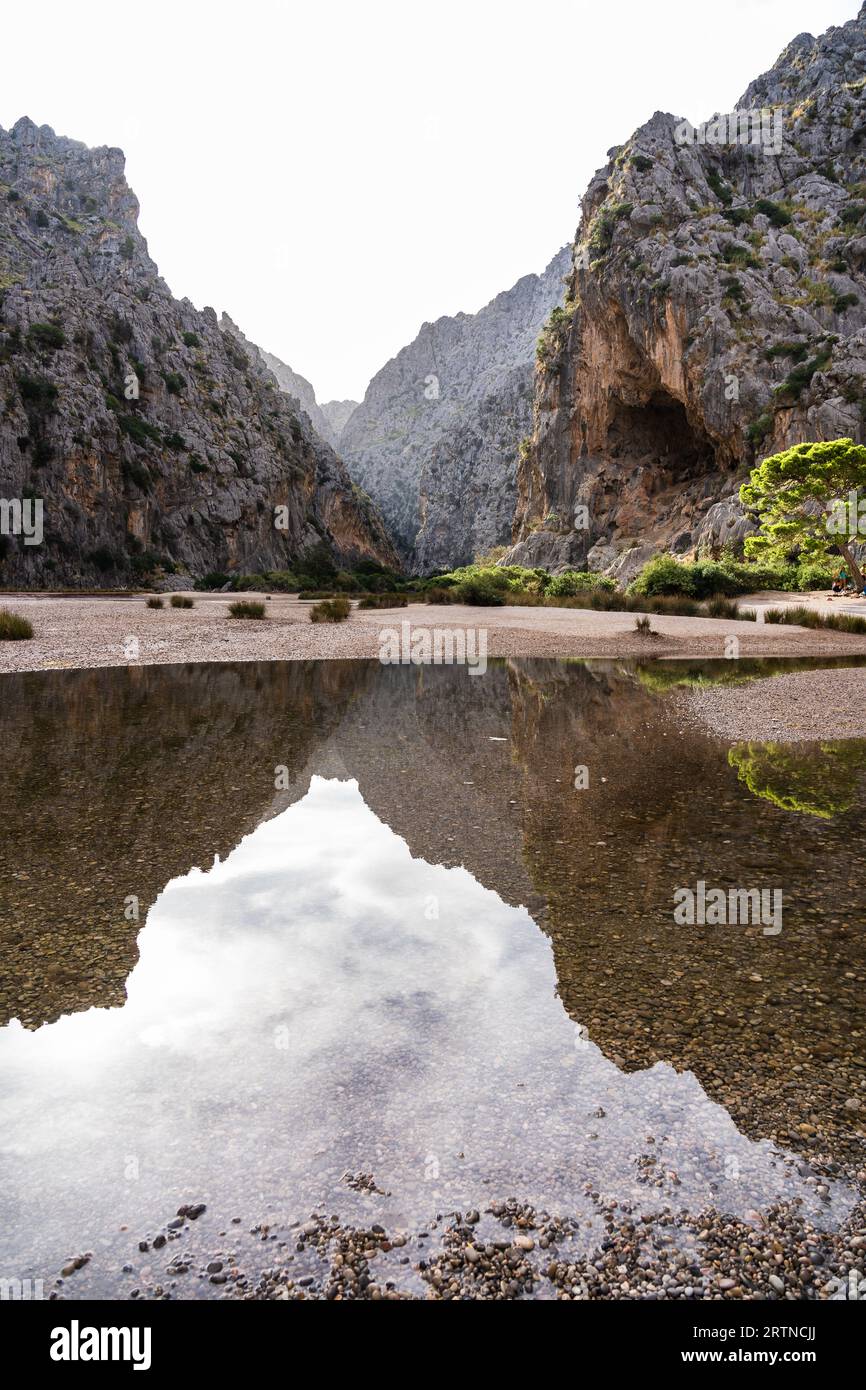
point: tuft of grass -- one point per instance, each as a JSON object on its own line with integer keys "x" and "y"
{"x": 14, "y": 628}
{"x": 247, "y": 608}
{"x": 181, "y": 601}
{"x": 331, "y": 610}
{"x": 720, "y": 607}
{"x": 643, "y": 627}
{"x": 155, "y": 603}
{"x": 384, "y": 601}
{"x": 808, "y": 617}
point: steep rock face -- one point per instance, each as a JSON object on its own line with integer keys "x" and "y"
{"x": 152, "y": 438}
{"x": 436, "y": 438}
{"x": 327, "y": 420}
{"x": 716, "y": 313}
{"x": 337, "y": 414}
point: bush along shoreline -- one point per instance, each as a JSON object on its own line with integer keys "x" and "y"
{"x": 683, "y": 588}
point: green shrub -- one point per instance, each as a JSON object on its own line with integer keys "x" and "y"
{"x": 283, "y": 581}
{"x": 734, "y": 289}
{"x": 182, "y": 601}
{"x": 247, "y": 608}
{"x": 37, "y": 393}
{"x": 384, "y": 601}
{"x": 722, "y": 190}
{"x": 140, "y": 431}
{"x": 192, "y": 340}
{"x": 174, "y": 383}
{"x": 572, "y": 582}
{"x": 703, "y": 579}
{"x": 14, "y": 628}
{"x": 480, "y": 593}
{"x": 758, "y": 430}
{"x": 603, "y": 227}
{"x": 796, "y": 350}
{"x": 799, "y": 378}
{"x": 242, "y": 582}
{"x": 740, "y": 256}
{"x": 215, "y": 580}
{"x": 48, "y": 336}
{"x": 664, "y": 575}
{"x": 816, "y": 574}
{"x": 776, "y": 214}
{"x": 334, "y": 610}
{"x": 155, "y": 603}
{"x": 515, "y": 577}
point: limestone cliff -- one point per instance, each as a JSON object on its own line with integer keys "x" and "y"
{"x": 336, "y": 415}
{"x": 435, "y": 440}
{"x": 327, "y": 419}
{"x": 152, "y": 438}
{"x": 716, "y": 313}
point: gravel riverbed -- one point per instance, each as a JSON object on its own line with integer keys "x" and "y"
{"x": 805, "y": 706}
{"x": 73, "y": 633}
{"x": 509, "y": 1250}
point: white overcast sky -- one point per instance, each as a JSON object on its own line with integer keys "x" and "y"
{"x": 334, "y": 173}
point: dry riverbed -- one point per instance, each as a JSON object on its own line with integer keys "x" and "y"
{"x": 72, "y": 633}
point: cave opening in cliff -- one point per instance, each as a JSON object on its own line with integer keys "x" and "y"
{"x": 660, "y": 433}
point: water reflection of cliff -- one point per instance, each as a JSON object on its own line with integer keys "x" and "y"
{"x": 156, "y": 771}
{"x": 769, "y": 1024}
{"x": 115, "y": 781}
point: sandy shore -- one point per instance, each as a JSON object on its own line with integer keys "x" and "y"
{"x": 74, "y": 633}
{"x": 807, "y": 705}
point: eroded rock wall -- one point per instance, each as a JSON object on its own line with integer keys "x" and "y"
{"x": 716, "y": 313}
{"x": 154, "y": 440}
{"x": 436, "y": 439}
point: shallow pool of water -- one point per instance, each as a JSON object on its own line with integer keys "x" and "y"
{"x": 391, "y": 942}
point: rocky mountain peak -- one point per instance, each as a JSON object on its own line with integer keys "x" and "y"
{"x": 716, "y": 313}
{"x": 155, "y": 440}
